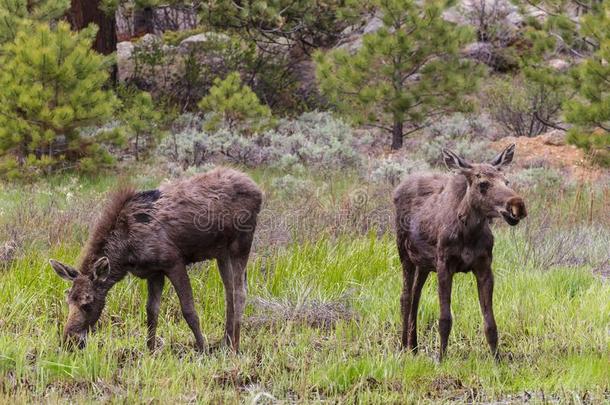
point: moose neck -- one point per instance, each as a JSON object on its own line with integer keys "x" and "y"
{"x": 470, "y": 218}
{"x": 116, "y": 273}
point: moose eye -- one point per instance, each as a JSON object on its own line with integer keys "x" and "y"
{"x": 506, "y": 182}
{"x": 484, "y": 186}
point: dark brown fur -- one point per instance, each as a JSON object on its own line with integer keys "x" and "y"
{"x": 443, "y": 225}
{"x": 156, "y": 234}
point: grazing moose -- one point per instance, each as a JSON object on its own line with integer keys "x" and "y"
{"x": 156, "y": 234}
{"x": 442, "y": 225}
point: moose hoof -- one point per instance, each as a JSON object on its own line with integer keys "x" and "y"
{"x": 155, "y": 345}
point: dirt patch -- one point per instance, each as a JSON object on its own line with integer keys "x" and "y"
{"x": 448, "y": 388}
{"x": 551, "y": 150}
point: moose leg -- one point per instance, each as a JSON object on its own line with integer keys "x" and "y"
{"x": 408, "y": 270}
{"x": 226, "y": 273}
{"x": 181, "y": 283}
{"x": 239, "y": 296}
{"x": 445, "y": 321}
{"x": 485, "y": 285}
{"x": 155, "y": 288}
{"x": 420, "y": 279}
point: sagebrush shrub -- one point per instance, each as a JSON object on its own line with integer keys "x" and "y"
{"x": 392, "y": 169}
{"x": 466, "y": 135}
{"x": 542, "y": 177}
{"x": 194, "y": 147}
{"x": 290, "y": 186}
{"x": 315, "y": 139}
{"x": 458, "y": 125}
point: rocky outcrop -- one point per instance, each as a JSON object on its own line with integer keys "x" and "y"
{"x": 352, "y": 36}
{"x": 499, "y": 59}
{"x": 125, "y": 63}
{"x": 170, "y": 58}
{"x": 560, "y": 65}
{"x": 194, "y": 41}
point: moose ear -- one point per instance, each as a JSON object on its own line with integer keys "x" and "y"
{"x": 453, "y": 161}
{"x": 63, "y": 270}
{"x": 101, "y": 269}
{"x": 504, "y": 158}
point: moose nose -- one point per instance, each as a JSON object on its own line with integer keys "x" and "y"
{"x": 516, "y": 207}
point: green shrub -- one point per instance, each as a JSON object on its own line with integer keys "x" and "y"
{"x": 523, "y": 107}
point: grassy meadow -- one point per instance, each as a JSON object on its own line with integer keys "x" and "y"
{"x": 322, "y": 321}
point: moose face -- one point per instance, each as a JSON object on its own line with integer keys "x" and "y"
{"x": 86, "y": 299}
{"x": 488, "y": 190}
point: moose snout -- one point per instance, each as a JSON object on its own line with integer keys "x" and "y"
{"x": 516, "y": 207}
{"x": 75, "y": 330}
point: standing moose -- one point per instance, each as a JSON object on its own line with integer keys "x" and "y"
{"x": 442, "y": 225}
{"x": 156, "y": 234}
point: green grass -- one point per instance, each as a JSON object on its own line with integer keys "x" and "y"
{"x": 553, "y": 330}
{"x": 552, "y": 311}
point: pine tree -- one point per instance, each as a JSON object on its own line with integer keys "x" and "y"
{"x": 141, "y": 120}
{"x": 51, "y": 89}
{"x": 590, "y": 111}
{"x": 17, "y": 15}
{"x": 405, "y": 74}
{"x": 234, "y": 104}
{"x": 279, "y": 24}
{"x": 585, "y": 40}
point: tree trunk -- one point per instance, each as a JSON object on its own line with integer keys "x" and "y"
{"x": 397, "y": 136}
{"x": 85, "y": 12}
{"x": 137, "y": 146}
